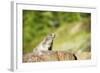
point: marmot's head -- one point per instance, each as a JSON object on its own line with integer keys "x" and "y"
{"x": 52, "y": 35}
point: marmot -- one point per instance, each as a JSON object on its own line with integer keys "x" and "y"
{"x": 45, "y": 45}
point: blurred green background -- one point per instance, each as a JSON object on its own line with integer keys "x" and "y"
{"x": 72, "y": 29}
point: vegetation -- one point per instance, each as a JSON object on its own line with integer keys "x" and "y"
{"x": 72, "y": 29}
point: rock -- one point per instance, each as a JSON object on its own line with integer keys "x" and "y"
{"x": 49, "y": 56}
{"x": 84, "y": 55}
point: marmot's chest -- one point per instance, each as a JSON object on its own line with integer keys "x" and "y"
{"x": 45, "y": 46}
